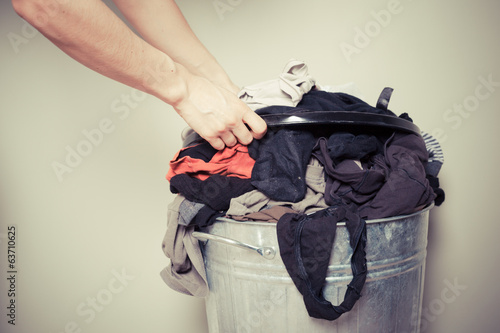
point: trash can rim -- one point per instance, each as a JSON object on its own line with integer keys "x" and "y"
{"x": 373, "y": 221}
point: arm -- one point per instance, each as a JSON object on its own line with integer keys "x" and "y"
{"x": 161, "y": 24}
{"x": 89, "y": 32}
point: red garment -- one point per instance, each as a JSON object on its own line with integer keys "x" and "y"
{"x": 231, "y": 161}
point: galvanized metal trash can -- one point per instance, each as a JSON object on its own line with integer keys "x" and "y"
{"x": 250, "y": 289}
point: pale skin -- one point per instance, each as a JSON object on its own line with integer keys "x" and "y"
{"x": 168, "y": 62}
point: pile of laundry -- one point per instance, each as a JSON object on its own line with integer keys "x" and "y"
{"x": 299, "y": 176}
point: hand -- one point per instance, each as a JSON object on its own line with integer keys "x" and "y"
{"x": 217, "y": 114}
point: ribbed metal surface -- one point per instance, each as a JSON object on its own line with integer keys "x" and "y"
{"x": 249, "y": 293}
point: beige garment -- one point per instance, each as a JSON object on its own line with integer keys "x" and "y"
{"x": 287, "y": 89}
{"x": 186, "y": 272}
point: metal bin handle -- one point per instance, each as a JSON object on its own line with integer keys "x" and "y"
{"x": 266, "y": 252}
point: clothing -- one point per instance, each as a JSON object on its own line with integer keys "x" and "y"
{"x": 348, "y": 88}
{"x": 436, "y": 156}
{"x": 287, "y": 89}
{"x": 317, "y": 100}
{"x": 255, "y": 201}
{"x": 198, "y": 162}
{"x": 271, "y": 215}
{"x": 205, "y": 217}
{"x": 434, "y": 164}
{"x": 438, "y": 191}
{"x": 281, "y": 163}
{"x": 187, "y": 211}
{"x": 281, "y": 156}
{"x": 306, "y": 242}
{"x": 215, "y": 191}
{"x": 186, "y": 272}
{"x": 202, "y": 151}
{"x": 390, "y": 184}
{"x": 368, "y": 176}
{"x": 344, "y": 145}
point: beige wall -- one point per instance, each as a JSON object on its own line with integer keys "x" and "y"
{"x": 107, "y": 217}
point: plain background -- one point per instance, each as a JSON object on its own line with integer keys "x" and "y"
{"x": 108, "y": 216}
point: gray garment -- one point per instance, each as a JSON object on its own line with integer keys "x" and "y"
{"x": 255, "y": 201}
{"x": 186, "y": 273}
{"x": 188, "y": 210}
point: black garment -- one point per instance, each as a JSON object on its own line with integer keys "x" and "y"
{"x": 346, "y": 182}
{"x": 206, "y": 216}
{"x": 203, "y": 151}
{"x": 281, "y": 157}
{"x": 440, "y": 195}
{"x": 344, "y": 145}
{"x": 306, "y": 243}
{"x": 281, "y": 163}
{"x": 317, "y": 100}
{"x": 216, "y": 191}
{"x": 391, "y": 184}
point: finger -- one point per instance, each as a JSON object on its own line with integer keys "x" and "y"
{"x": 229, "y": 139}
{"x": 217, "y": 143}
{"x": 242, "y": 134}
{"x": 257, "y": 125}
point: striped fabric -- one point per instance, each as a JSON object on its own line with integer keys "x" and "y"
{"x": 436, "y": 156}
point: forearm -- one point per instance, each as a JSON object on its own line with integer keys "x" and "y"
{"x": 161, "y": 23}
{"x": 89, "y": 32}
